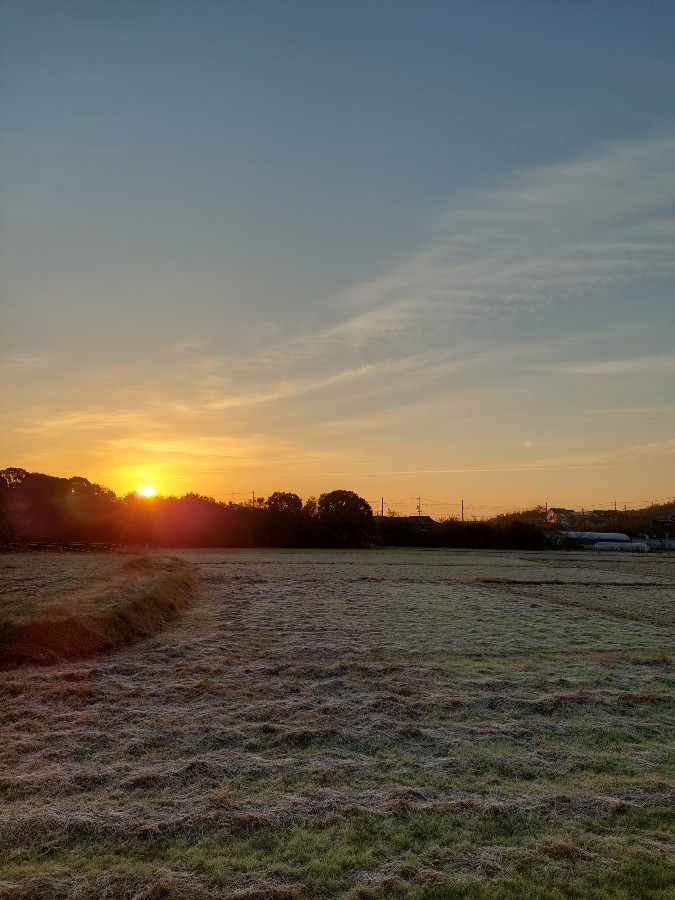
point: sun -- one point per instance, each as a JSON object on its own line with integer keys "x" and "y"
{"x": 146, "y": 491}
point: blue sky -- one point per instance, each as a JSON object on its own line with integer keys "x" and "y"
{"x": 403, "y": 248}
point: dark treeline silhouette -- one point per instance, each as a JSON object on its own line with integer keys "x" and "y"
{"x": 37, "y": 508}
{"x": 453, "y": 533}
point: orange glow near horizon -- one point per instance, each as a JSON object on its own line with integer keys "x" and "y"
{"x": 146, "y": 491}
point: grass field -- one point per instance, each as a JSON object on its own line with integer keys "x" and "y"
{"x": 405, "y": 724}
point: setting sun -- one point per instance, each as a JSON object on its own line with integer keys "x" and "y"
{"x": 146, "y": 491}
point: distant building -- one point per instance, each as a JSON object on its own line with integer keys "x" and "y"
{"x": 419, "y": 521}
{"x": 558, "y": 515}
{"x": 579, "y": 539}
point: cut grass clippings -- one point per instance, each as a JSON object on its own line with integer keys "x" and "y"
{"x": 138, "y": 601}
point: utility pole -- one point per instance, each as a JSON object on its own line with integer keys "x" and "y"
{"x": 462, "y": 510}
{"x": 382, "y": 508}
{"x": 253, "y": 495}
{"x": 419, "y": 506}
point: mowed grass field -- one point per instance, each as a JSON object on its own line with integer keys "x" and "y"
{"x": 405, "y": 724}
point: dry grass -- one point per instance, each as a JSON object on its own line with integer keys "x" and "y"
{"x": 358, "y": 725}
{"x": 100, "y": 607}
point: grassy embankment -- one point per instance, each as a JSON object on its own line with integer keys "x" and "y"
{"x": 360, "y": 725}
{"x": 99, "y": 607}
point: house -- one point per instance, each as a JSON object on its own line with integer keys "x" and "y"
{"x": 422, "y": 522}
{"x": 558, "y": 515}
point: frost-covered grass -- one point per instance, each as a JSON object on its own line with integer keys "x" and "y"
{"x": 359, "y": 724}
{"x": 49, "y": 614}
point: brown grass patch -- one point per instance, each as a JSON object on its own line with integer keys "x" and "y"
{"x": 138, "y": 602}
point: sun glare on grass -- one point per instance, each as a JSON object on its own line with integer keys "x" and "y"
{"x": 146, "y": 491}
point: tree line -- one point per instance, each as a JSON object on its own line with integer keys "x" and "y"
{"x": 39, "y": 508}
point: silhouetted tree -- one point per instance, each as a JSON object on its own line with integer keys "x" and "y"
{"x": 283, "y": 523}
{"x": 12, "y": 476}
{"x": 347, "y": 517}
{"x": 311, "y": 507}
{"x": 284, "y": 503}
{"x": 8, "y": 479}
{"x": 90, "y": 510}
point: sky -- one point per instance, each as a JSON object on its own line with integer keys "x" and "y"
{"x": 411, "y": 249}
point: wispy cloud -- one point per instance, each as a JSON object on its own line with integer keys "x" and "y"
{"x": 600, "y": 460}
{"x": 292, "y": 389}
{"x": 645, "y": 365}
{"x": 185, "y": 348}
{"x": 97, "y": 418}
{"x": 553, "y": 239}
{"x": 559, "y": 234}
{"x": 22, "y": 363}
